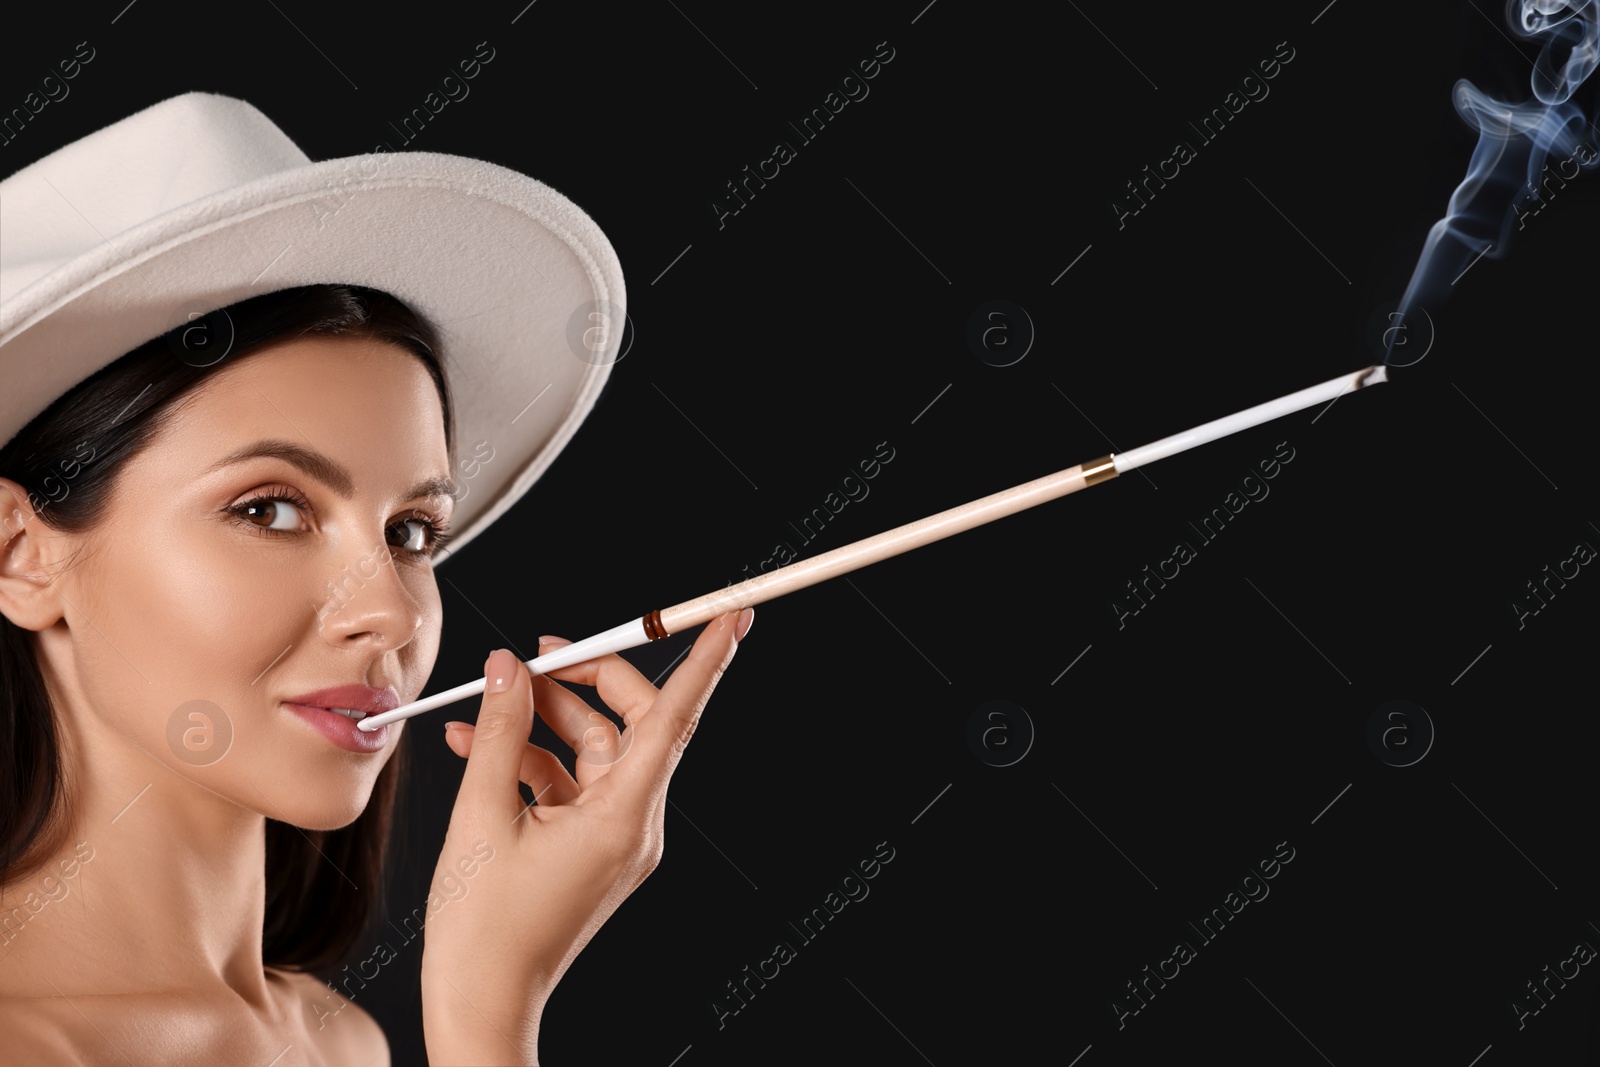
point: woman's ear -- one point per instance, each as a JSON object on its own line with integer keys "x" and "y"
{"x": 28, "y": 596}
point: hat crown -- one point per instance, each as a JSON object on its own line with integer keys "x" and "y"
{"x": 170, "y": 154}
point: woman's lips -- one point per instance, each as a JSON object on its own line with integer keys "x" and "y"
{"x": 351, "y": 698}
{"x": 341, "y": 729}
{"x": 360, "y": 701}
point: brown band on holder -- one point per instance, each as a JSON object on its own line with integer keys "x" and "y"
{"x": 1098, "y": 470}
{"x": 652, "y": 626}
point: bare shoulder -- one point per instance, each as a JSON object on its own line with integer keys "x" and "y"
{"x": 343, "y": 1031}
{"x": 195, "y": 1028}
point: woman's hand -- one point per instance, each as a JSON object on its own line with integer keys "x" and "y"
{"x": 519, "y": 890}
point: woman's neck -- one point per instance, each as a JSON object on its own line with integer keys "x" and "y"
{"x": 160, "y": 884}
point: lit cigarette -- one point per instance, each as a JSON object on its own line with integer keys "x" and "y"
{"x": 667, "y": 621}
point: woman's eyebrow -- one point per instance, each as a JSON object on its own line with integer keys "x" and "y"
{"x": 322, "y": 468}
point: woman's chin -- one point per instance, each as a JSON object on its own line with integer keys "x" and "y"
{"x": 313, "y": 813}
{"x": 327, "y": 800}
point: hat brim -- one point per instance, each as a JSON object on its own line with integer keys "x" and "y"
{"x": 523, "y": 287}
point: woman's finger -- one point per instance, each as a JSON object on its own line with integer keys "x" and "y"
{"x": 621, "y": 686}
{"x": 505, "y": 719}
{"x": 541, "y": 769}
{"x": 661, "y": 735}
{"x": 568, "y": 714}
{"x": 593, "y": 738}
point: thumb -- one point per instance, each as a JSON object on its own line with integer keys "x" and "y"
{"x": 505, "y": 720}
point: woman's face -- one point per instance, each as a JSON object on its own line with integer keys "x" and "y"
{"x": 194, "y": 617}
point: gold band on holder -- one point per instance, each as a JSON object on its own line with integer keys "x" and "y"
{"x": 1099, "y": 470}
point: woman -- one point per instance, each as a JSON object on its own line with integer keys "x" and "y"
{"x": 217, "y": 554}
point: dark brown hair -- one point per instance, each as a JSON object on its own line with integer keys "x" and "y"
{"x": 313, "y": 911}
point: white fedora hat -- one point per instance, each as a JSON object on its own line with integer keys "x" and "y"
{"x": 200, "y": 201}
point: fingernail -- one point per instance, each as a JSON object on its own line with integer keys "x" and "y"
{"x": 456, "y": 726}
{"x": 498, "y": 671}
{"x": 553, "y": 642}
{"x": 746, "y": 617}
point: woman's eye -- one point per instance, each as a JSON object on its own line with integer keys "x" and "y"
{"x": 272, "y": 514}
{"x": 417, "y": 536}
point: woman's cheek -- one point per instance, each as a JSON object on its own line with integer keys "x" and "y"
{"x": 192, "y": 625}
{"x": 424, "y": 646}
{"x": 237, "y": 611}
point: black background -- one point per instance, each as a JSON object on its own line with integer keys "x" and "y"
{"x": 774, "y": 352}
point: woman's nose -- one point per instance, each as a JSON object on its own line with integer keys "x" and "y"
{"x": 368, "y": 599}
